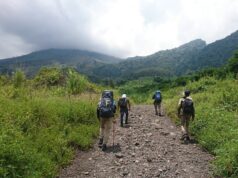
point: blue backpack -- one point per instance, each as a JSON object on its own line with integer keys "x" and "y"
{"x": 106, "y": 107}
{"x": 158, "y": 97}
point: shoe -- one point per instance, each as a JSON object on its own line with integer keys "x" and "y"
{"x": 183, "y": 137}
{"x": 104, "y": 147}
{"x": 100, "y": 142}
{"x": 160, "y": 114}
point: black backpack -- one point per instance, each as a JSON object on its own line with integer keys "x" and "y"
{"x": 106, "y": 107}
{"x": 187, "y": 106}
{"x": 123, "y": 103}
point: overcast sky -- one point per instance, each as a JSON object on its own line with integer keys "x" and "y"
{"x": 121, "y": 28}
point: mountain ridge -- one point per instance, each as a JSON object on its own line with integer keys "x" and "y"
{"x": 192, "y": 56}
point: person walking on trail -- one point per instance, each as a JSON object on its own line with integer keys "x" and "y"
{"x": 157, "y": 97}
{"x": 105, "y": 112}
{"x": 186, "y": 112}
{"x": 125, "y": 107}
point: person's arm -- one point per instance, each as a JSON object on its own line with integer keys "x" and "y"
{"x": 179, "y": 108}
{"x": 193, "y": 113}
{"x": 153, "y": 97}
{"x": 98, "y": 113}
{"x": 129, "y": 105}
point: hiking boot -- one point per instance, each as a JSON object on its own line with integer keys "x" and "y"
{"x": 183, "y": 137}
{"x": 104, "y": 147}
{"x": 100, "y": 142}
{"x": 160, "y": 114}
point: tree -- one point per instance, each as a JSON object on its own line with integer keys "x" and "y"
{"x": 233, "y": 63}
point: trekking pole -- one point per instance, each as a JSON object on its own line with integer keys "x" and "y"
{"x": 113, "y": 134}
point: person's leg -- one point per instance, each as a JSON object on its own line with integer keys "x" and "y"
{"x": 187, "y": 117}
{"x": 102, "y": 130}
{"x": 183, "y": 121}
{"x": 156, "y": 110}
{"x": 108, "y": 125}
{"x": 127, "y": 115}
{"x": 122, "y": 115}
{"x": 159, "y": 106}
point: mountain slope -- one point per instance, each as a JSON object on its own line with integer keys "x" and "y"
{"x": 185, "y": 59}
{"x": 216, "y": 54}
{"x": 83, "y": 60}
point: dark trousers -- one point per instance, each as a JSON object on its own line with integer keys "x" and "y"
{"x": 124, "y": 111}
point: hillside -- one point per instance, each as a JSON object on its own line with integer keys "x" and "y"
{"x": 184, "y": 59}
{"x": 82, "y": 60}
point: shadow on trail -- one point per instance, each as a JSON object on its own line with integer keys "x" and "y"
{"x": 113, "y": 149}
{"x": 191, "y": 141}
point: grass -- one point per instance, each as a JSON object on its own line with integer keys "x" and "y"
{"x": 216, "y": 123}
{"x": 42, "y": 125}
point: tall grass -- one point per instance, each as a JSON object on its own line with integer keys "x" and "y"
{"x": 216, "y": 122}
{"x": 41, "y": 126}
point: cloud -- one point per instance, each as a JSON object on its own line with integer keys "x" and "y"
{"x": 116, "y": 27}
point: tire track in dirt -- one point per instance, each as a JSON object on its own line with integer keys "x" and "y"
{"x": 148, "y": 147}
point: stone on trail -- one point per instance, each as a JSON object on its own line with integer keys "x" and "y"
{"x": 119, "y": 155}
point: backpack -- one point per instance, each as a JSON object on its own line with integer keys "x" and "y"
{"x": 106, "y": 107}
{"x": 123, "y": 103}
{"x": 187, "y": 106}
{"x": 157, "y": 97}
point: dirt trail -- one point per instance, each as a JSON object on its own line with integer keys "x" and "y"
{"x": 148, "y": 147}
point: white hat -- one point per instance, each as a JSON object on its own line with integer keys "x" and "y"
{"x": 123, "y": 96}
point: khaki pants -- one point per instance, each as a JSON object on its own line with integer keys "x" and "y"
{"x": 157, "y": 106}
{"x": 105, "y": 127}
{"x": 185, "y": 119}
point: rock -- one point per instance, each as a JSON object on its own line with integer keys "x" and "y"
{"x": 125, "y": 173}
{"x": 164, "y": 133}
{"x": 119, "y": 155}
{"x": 172, "y": 134}
{"x": 86, "y": 173}
{"x": 149, "y": 160}
{"x": 147, "y": 141}
{"x": 133, "y": 154}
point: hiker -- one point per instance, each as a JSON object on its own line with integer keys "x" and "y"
{"x": 157, "y": 97}
{"x": 186, "y": 112}
{"x": 124, "y": 105}
{"x": 105, "y": 112}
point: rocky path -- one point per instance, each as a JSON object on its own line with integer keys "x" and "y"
{"x": 148, "y": 147}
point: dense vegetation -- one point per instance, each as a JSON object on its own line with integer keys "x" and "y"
{"x": 42, "y": 121}
{"x": 216, "y": 101}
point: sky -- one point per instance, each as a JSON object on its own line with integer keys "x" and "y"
{"x": 122, "y": 28}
